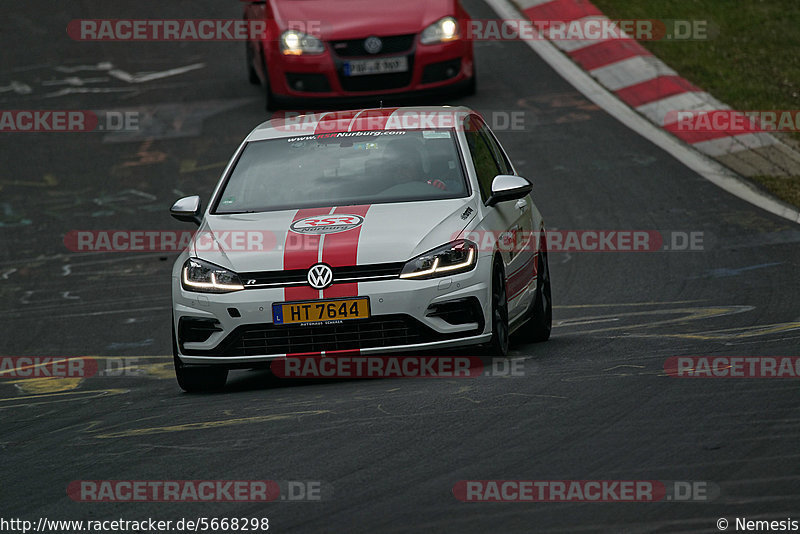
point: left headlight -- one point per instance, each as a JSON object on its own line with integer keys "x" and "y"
{"x": 441, "y": 31}
{"x": 452, "y": 258}
{"x": 201, "y": 276}
{"x": 296, "y": 43}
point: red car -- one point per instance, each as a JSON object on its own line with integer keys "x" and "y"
{"x": 352, "y": 49}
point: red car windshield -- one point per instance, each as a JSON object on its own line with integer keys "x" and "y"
{"x": 373, "y": 167}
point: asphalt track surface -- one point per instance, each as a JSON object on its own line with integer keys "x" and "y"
{"x": 593, "y": 404}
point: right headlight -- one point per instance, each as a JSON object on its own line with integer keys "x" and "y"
{"x": 296, "y": 43}
{"x": 442, "y": 31}
{"x": 453, "y": 258}
{"x": 204, "y": 277}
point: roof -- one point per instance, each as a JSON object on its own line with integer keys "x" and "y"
{"x": 291, "y": 124}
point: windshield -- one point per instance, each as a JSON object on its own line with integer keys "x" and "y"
{"x": 339, "y": 169}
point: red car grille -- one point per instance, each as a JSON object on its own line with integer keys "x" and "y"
{"x": 395, "y": 44}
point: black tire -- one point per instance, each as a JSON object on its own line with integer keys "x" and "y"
{"x": 472, "y": 86}
{"x": 251, "y": 71}
{"x": 498, "y": 346}
{"x": 540, "y": 322}
{"x": 270, "y": 103}
{"x": 197, "y": 378}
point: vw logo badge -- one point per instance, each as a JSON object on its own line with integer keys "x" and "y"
{"x": 373, "y": 45}
{"x": 320, "y": 276}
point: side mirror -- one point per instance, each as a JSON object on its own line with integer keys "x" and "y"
{"x": 187, "y": 209}
{"x": 508, "y": 187}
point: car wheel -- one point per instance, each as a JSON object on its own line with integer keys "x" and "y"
{"x": 472, "y": 86}
{"x": 251, "y": 71}
{"x": 540, "y": 322}
{"x": 498, "y": 346}
{"x": 200, "y": 378}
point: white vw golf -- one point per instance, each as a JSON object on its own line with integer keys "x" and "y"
{"x": 368, "y": 231}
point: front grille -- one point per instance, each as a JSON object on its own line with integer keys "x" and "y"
{"x": 297, "y": 277}
{"x": 377, "y": 82}
{"x": 394, "y": 44}
{"x": 375, "y": 332}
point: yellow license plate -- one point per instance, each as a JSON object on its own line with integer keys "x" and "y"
{"x": 320, "y": 311}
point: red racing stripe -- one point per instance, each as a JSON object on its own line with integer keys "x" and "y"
{"x": 341, "y": 250}
{"x": 372, "y": 119}
{"x": 301, "y": 251}
{"x": 520, "y": 279}
{"x": 338, "y": 121}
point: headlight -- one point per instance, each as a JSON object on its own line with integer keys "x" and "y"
{"x": 296, "y": 43}
{"x": 453, "y": 258}
{"x": 204, "y": 277}
{"x": 441, "y": 31}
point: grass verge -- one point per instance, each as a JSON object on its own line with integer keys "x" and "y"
{"x": 751, "y": 62}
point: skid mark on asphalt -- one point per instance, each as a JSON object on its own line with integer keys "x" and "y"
{"x": 205, "y": 425}
{"x": 51, "y": 398}
{"x": 686, "y": 315}
{"x": 619, "y": 374}
{"x": 730, "y": 334}
{"x": 130, "y": 367}
{"x": 725, "y": 272}
{"x": 46, "y": 385}
{"x": 625, "y": 304}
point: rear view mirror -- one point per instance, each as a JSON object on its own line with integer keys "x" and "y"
{"x": 187, "y": 209}
{"x": 508, "y": 187}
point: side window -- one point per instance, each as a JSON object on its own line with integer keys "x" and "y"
{"x": 482, "y": 156}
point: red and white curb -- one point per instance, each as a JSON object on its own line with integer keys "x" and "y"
{"x": 640, "y": 79}
{"x": 639, "y": 90}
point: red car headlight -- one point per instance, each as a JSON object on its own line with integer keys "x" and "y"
{"x": 442, "y": 31}
{"x": 297, "y": 43}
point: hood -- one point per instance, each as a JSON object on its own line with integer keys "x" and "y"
{"x": 386, "y": 233}
{"x": 355, "y": 19}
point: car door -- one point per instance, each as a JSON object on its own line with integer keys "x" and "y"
{"x": 509, "y": 222}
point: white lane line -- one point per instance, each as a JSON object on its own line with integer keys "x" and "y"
{"x": 706, "y": 167}
{"x": 142, "y": 77}
{"x": 636, "y": 69}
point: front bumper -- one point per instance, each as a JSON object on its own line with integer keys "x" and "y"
{"x": 406, "y": 315}
{"x": 432, "y": 68}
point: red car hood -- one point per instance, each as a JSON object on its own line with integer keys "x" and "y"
{"x": 354, "y": 19}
